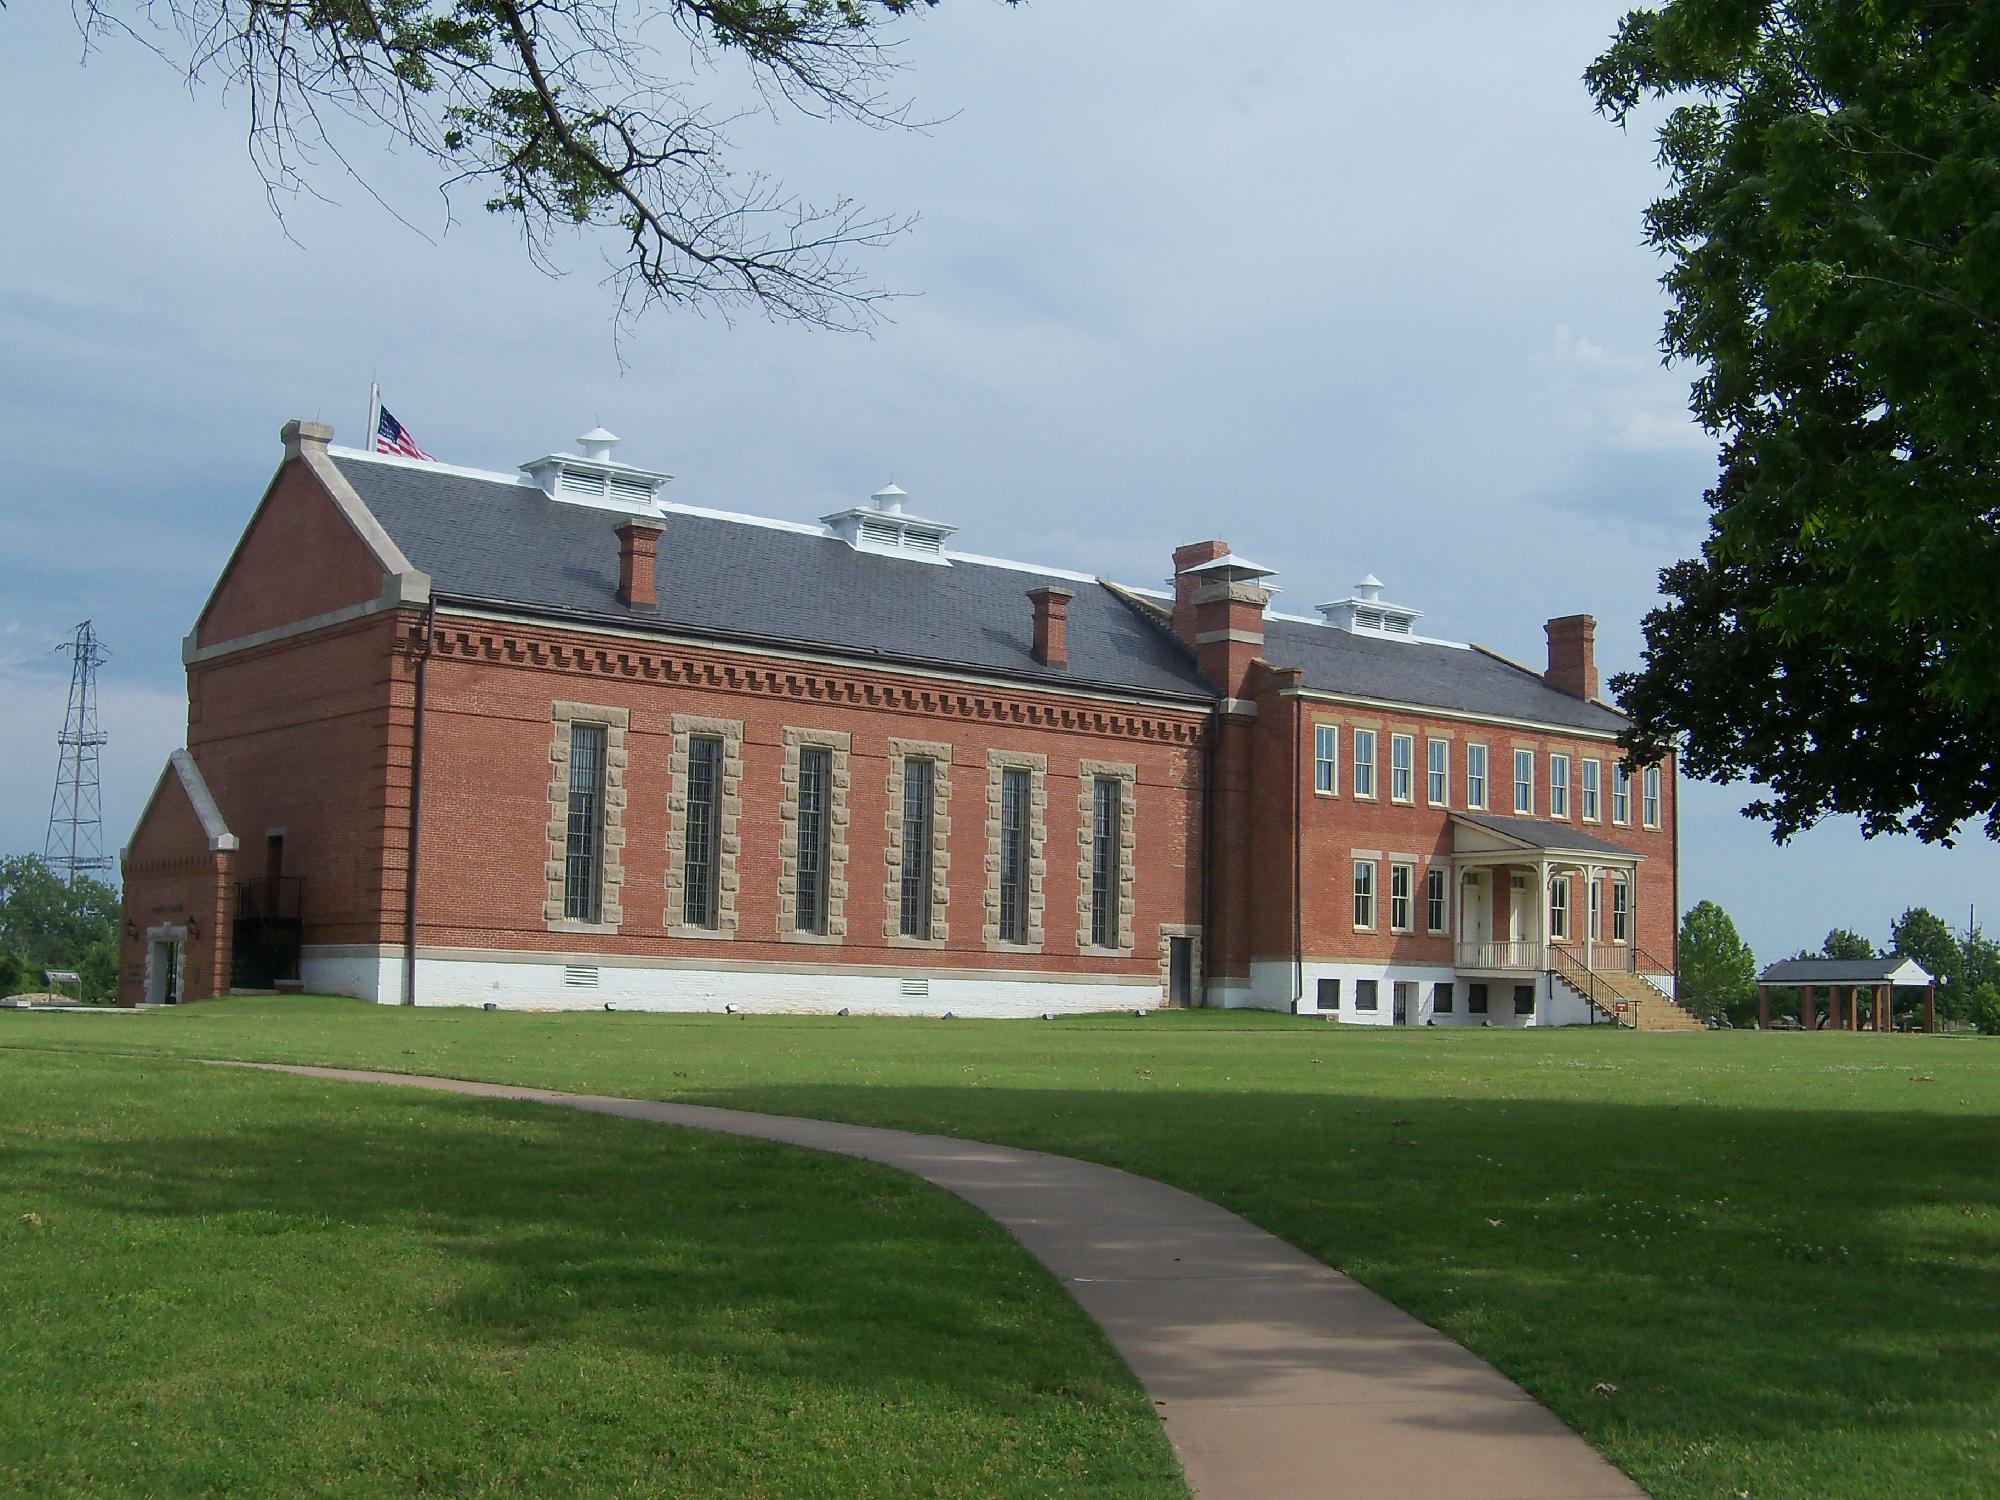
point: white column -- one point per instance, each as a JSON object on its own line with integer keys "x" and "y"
{"x": 1590, "y": 904}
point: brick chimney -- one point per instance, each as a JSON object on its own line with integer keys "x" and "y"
{"x": 638, "y": 549}
{"x": 1226, "y": 597}
{"x": 1051, "y": 624}
{"x": 1573, "y": 655}
{"x": 1192, "y": 555}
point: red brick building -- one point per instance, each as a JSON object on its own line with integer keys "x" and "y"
{"x": 458, "y": 737}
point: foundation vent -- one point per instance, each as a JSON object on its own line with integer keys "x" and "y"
{"x": 916, "y": 989}
{"x": 580, "y": 976}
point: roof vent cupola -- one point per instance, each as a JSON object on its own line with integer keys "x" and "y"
{"x": 1366, "y": 612}
{"x": 594, "y": 477}
{"x": 885, "y": 525}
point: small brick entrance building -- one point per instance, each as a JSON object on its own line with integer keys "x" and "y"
{"x": 547, "y": 739}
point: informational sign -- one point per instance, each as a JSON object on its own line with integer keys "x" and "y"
{"x": 62, "y": 976}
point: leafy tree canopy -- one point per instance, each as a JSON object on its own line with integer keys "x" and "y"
{"x": 591, "y": 115}
{"x": 1921, "y": 934}
{"x": 1832, "y": 228}
{"x": 48, "y": 923}
{"x": 1843, "y": 943}
{"x": 1718, "y": 972}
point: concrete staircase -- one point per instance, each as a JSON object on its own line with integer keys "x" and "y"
{"x": 1626, "y": 997}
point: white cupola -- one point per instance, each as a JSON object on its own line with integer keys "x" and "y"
{"x": 1366, "y": 612}
{"x": 594, "y": 477}
{"x": 884, "y": 525}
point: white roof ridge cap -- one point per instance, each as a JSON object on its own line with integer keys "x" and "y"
{"x": 979, "y": 559}
{"x": 428, "y": 466}
{"x": 742, "y": 518}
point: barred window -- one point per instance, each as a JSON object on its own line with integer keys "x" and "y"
{"x": 1014, "y": 793}
{"x": 815, "y": 802}
{"x": 583, "y": 862}
{"x": 699, "y": 882}
{"x": 919, "y": 784}
{"x": 1434, "y": 900}
{"x": 1105, "y": 822}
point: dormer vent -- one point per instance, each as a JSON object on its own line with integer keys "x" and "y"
{"x": 884, "y": 525}
{"x": 1366, "y": 612}
{"x": 594, "y": 477}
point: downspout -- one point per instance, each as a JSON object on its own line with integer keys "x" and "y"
{"x": 1208, "y": 848}
{"x": 416, "y": 807}
{"x": 1298, "y": 830}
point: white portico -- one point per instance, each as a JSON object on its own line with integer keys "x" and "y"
{"x": 1536, "y": 896}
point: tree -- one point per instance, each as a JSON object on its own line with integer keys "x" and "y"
{"x": 1718, "y": 972}
{"x": 563, "y": 114}
{"x": 1844, "y": 943}
{"x": 1983, "y": 1007}
{"x": 1830, "y": 228}
{"x": 49, "y": 923}
{"x": 1921, "y": 934}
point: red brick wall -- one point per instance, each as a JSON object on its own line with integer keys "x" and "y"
{"x": 170, "y": 876}
{"x": 304, "y": 735}
{"x": 487, "y": 772}
{"x": 298, "y": 558}
{"x": 1334, "y": 827}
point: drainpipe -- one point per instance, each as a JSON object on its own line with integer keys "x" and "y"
{"x": 1298, "y": 830}
{"x": 416, "y": 807}
{"x": 1208, "y": 847}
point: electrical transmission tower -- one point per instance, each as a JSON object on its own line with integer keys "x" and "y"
{"x": 75, "y": 844}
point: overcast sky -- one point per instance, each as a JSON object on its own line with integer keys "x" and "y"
{"x": 1353, "y": 288}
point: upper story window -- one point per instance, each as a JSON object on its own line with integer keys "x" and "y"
{"x": 1326, "y": 759}
{"x": 1592, "y": 789}
{"x": 1559, "y": 786}
{"x": 1621, "y": 794}
{"x": 1402, "y": 768}
{"x": 1364, "y": 762}
{"x": 1364, "y": 894}
{"x": 1651, "y": 807}
{"x": 1475, "y": 777}
{"x": 1524, "y": 781}
{"x": 583, "y": 848}
{"x": 1438, "y": 773}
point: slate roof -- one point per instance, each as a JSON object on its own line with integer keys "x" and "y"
{"x": 1539, "y": 834}
{"x": 1428, "y": 676}
{"x": 499, "y": 542}
{"x": 1844, "y": 971}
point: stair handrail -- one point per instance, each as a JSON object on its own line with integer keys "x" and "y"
{"x": 1562, "y": 962}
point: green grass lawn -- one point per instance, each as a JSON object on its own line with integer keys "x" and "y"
{"x": 1737, "y": 1263}
{"x": 222, "y": 1282}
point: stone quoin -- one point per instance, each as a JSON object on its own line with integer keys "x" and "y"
{"x": 549, "y": 739}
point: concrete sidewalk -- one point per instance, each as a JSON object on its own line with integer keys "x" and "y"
{"x": 1277, "y": 1377}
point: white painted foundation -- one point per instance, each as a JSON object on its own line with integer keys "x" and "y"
{"x": 1275, "y": 982}
{"x": 553, "y": 982}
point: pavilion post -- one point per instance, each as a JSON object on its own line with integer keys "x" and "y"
{"x": 1885, "y": 1008}
{"x": 1930, "y": 1006}
{"x": 1763, "y": 1007}
{"x": 1854, "y": 1007}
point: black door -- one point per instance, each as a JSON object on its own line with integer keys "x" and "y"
{"x": 1180, "y": 971}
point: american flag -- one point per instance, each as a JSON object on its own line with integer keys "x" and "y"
{"x": 392, "y": 436}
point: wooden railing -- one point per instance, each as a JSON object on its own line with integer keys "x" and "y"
{"x": 1521, "y": 955}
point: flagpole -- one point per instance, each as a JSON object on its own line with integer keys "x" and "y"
{"x": 374, "y": 414}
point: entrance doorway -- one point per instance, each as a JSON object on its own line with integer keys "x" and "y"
{"x": 163, "y": 972}
{"x": 1405, "y": 1001}
{"x": 1475, "y": 912}
{"x": 1180, "y": 971}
